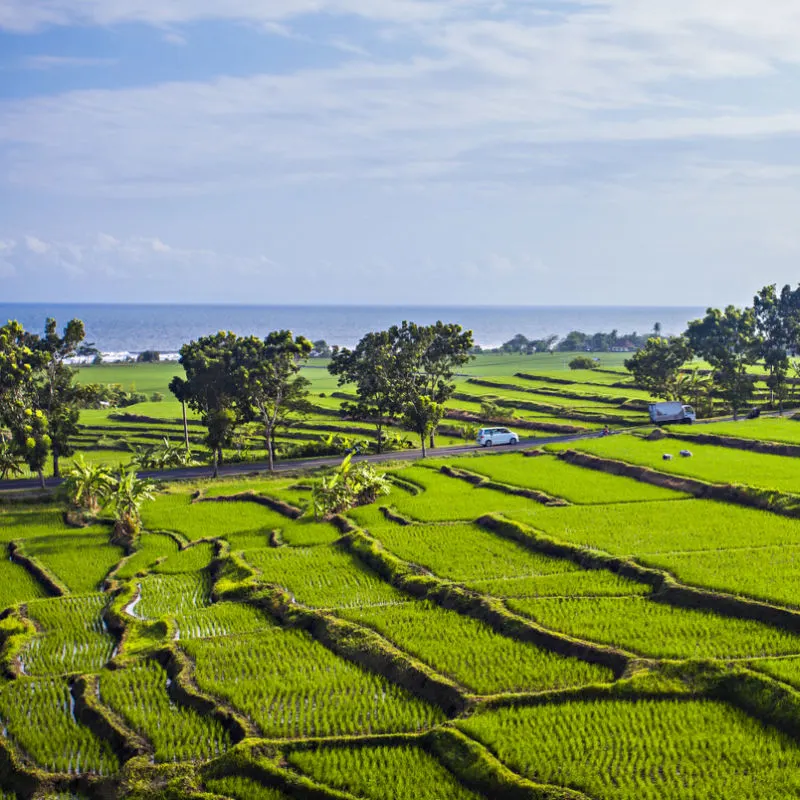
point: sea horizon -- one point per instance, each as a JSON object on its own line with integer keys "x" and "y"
{"x": 121, "y": 328}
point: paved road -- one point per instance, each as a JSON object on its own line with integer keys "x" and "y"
{"x": 231, "y": 470}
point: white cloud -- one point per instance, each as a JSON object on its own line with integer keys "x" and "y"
{"x": 45, "y": 62}
{"x": 135, "y": 258}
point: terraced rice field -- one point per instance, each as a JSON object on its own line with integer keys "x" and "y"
{"x": 434, "y": 660}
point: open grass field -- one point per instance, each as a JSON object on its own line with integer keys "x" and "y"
{"x": 250, "y": 655}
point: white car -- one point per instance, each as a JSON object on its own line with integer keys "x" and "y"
{"x": 491, "y": 436}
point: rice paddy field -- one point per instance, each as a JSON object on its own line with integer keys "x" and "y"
{"x": 502, "y": 635}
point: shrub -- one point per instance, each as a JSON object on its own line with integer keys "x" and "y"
{"x": 583, "y": 362}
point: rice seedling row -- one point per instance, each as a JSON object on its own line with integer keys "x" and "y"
{"x": 368, "y": 772}
{"x": 139, "y": 695}
{"x": 642, "y": 626}
{"x": 557, "y": 478}
{"x": 324, "y": 576}
{"x": 37, "y": 715}
{"x": 73, "y": 637}
{"x": 472, "y": 653}
{"x": 292, "y": 687}
{"x": 173, "y": 595}
{"x": 240, "y": 787}
{"x": 150, "y": 548}
{"x": 219, "y": 619}
{"x": 646, "y": 749}
{"x": 17, "y": 585}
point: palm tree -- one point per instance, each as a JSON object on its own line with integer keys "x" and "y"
{"x": 86, "y": 485}
{"x": 128, "y": 493}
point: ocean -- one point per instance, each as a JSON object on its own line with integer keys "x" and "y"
{"x": 129, "y": 329}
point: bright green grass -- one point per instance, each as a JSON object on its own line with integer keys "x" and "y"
{"x": 642, "y": 528}
{"x": 147, "y": 378}
{"x": 653, "y": 629}
{"x": 784, "y": 669}
{"x": 305, "y": 532}
{"x": 765, "y": 429}
{"x": 176, "y": 512}
{"x": 173, "y": 595}
{"x": 219, "y": 619}
{"x": 449, "y": 499}
{"x": 81, "y": 559}
{"x": 73, "y": 637}
{"x": 644, "y": 750}
{"x": 586, "y": 583}
{"x": 292, "y": 687}
{"x": 151, "y": 547}
{"x": 190, "y": 559}
{"x": 323, "y": 576}
{"x": 139, "y": 694}
{"x": 472, "y": 653}
{"x": 766, "y": 573}
{"x": 17, "y": 585}
{"x": 37, "y": 713}
{"x": 239, "y": 787}
{"x": 30, "y": 523}
{"x": 557, "y": 478}
{"x": 467, "y": 553}
{"x": 377, "y": 773}
{"x": 709, "y": 463}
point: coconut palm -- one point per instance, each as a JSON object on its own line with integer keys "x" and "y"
{"x": 87, "y": 485}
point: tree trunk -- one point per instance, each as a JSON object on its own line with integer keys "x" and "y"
{"x": 41, "y": 479}
{"x": 422, "y": 439}
{"x": 433, "y": 439}
{"x": 270, "y": 452}
{"x": 380, "y": 437}
{"x": 56, "y": 470}
{"x": 216, "y": 462}
{"x": 185, "y": 426}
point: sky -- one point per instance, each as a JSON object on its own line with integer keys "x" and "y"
{"x": 426, "y": 152}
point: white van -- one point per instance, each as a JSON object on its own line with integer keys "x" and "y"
{"x": 663, "y": 413}
{"x": 487, "y": 437}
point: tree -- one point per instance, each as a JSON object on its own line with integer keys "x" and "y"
{"x": 727, "y": 340}
{"x": 209, "y": 388}
{"x": 777, "y": 317}
{"x": 268, "y": 387}
{"x": 180, "y": 389}
{"x": 656, "y": 366}
{"x": 321, "y": 349}
{"x": 149, "y": 357}
{"x": 582, "y": 362}
{"x": 349, "y": 485}
{"x": 58, "y": 396}
{"x": 372, "y": 369}
{"x": 430, "y": 357}
{"x": 422, "y": 414}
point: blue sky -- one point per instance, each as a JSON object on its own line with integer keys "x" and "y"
{"x": 399, "y": 151}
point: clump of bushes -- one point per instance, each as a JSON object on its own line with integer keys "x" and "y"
{"x": 350, "y": 485}
{"x": 583, "y": 362}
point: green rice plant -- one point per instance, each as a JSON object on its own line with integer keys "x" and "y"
{"x": 139, "y": 694}
{"x": 467, "y": 553}
{"x": 190, "y": 559}
{"x": 219, "y": 619}
{"x": 708, "y": 463}
{"x": 37, "y": 716}
{"x": 73, "y": 637}
{"x": 559, "y": 479}
{"x": 305, "y": 532}
{"x": 643, "y": 528}
{"x": 369, "y": 772}
{"x": 784, "y": 669}
{"x": 765, "y": 573}
{"x": 653, "y": 629}
{"x": 646, "y": 749}
{"x": 239, "y": 787}
{"x": 176, "y": 512}
{"x": 151, "y": 547}
{"x": 292, "y": 686}
{"x": 765, "y": 429}
{"x": 285, "y": 489}
{"x": 585, "y": 583}
{"x": 81, "y": 560}
{"x": 449, "y": 499}
{"x": 17, "y": 585}
{"x": 173, "y": 595}
{"x": 29, "y": 523}
{"x": 323, "y": 576}
{"x": 472, "y": 653}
